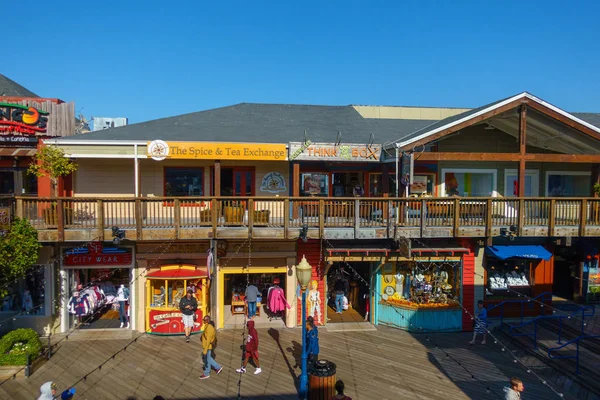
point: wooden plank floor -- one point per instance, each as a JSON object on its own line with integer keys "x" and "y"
{"x": 382, "y": 364}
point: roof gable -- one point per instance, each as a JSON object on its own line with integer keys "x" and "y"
{"x": 10, "y": 88}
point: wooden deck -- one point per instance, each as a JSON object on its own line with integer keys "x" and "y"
{"x": 382, "y": 364}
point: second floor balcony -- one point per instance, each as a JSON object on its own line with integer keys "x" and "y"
{"x": 152, "y": 218}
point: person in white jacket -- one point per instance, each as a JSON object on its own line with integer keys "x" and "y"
{"x": 513, "y": 392}
{"x": 48, "y": 391}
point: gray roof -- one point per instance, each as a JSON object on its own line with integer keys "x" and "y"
{"x": 264, "y": 123}
{"x": 590, "y": 118}
{"x": 10, "y": 88}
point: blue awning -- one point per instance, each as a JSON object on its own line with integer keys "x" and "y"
{"x": 529, "y": 251}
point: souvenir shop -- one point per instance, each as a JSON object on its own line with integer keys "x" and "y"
{"x": 423, "y": 292}
{"x": 165, "y": 287}
{"x": 349, "y": 278}
{"x": 96, "y": 279}
{"x": 268, "y": 267}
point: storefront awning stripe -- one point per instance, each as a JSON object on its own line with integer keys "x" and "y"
{"x": 519, "y": 251}
{"x": 179, "y": 274}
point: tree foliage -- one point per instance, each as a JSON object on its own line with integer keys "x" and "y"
{"x": 50, "y": 161}
{"x": 19, "y": 250}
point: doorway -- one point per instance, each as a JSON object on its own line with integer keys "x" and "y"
{"x": 349, "y": 279}
{"x": 346, "y": 184}
{"x": 566, "y": 269}
{"x": 237, "y": 181}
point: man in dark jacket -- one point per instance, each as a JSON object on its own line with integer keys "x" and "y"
{"x": 312, "y": 343}
{"x": 251, "y": 349}
{"x": 188, "y": 306}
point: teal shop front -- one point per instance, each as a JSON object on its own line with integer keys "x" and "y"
{"x": 420, "y": 294}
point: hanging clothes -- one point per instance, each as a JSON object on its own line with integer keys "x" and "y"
{"x": 276, "y": 300}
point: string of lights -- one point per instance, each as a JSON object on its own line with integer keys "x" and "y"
{"x": 427, "y": 337}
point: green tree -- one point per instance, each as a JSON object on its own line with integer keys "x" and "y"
{"x": 19, "y": 250}
{"x": 51, "y": 161}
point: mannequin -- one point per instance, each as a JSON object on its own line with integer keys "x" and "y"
{"x": 314, "y": 301}
{"x": 27, "y": 301}
{"x": 122, "y": 298}
{"x": 399, "y": 283}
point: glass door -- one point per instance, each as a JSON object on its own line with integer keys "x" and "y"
{"x": 243, "y": 182}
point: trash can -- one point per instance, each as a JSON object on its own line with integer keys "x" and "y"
{"x": 321, "y": 382}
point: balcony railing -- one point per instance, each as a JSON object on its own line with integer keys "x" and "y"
{"x": 153, "y": 218}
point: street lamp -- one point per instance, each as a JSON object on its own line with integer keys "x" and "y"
{"x": 304, "y": 273}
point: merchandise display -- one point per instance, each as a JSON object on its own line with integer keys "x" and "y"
{"x": 505, "y": 277}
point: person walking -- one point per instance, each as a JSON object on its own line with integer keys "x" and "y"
{"x": 209, "y": 337}
{"x": 480, "y": 323}
{"x": 339, "y": 388}
{"x": 251, "y": 349}
{"x": 339, "y": 295}
{"x": 188, "y": 306}
{"x": 251, "y": 298}
{"x": 47, "y": 391}
{"x": 513, "y": 392}
{"x": 312, "y": 342}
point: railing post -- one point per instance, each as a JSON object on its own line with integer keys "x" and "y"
{"x": 356, "y": 218}
{"x": 456, "y": 221}
{"x": 577, "y": 365}
{"x": 551, "y": 219}
{"x": 286, "y": 217}
{"x": 28, "y": 367}
{"x": 60, "y": 216}
{"x": 215, "y": 216}
{"x": 535, "y": 335}
{"x": 423, "y": 216}
{"x": 521, "y": 216}
{"x": 138, "y": 219}
{"x": 388, "y": 217}
{"x": 321, "y": 218}
{"x": 100, "y": 219}
{"x": 559, "y": 330}
{"x": 488, "y": 218}
{"x": 19, "y": 210}
{"x": 177, "y": 216}
{"x": 250, "y": 217}
{"x": 49, "y": 346}
{"x": 582, "y": 217}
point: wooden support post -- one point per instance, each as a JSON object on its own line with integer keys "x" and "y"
{"x": 551, "y": 219}
{"x": 456, "y": 222}
{"x": 217, "y": 178}
{"x": 177, "y": 216}
{"x": 522, "y": 149}
{"x": 521, "y": 216}
{"x": 214, "y": 207}
{"x": 583, "y": 217}
{"x": 286, "y": 217}
{"x": 139, "y": 218}
{"x": 321, "y": 218}
{"x": 356, "y": 218}
{"x": 250, "y": 217}
{"x": 20, "y": 212}
{"x": 100, "y": 219}
{"x": 60, "y": 216}
{"x": 296, "y": 186}
{"x": 488, "y": 218}
{"x": 423, "y": 217}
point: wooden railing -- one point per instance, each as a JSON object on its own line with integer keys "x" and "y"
{"x": 388, "y": 217}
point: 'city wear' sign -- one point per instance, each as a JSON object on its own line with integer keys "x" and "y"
{"x": 335, "y": 152}
{"x": 96, "y": 254}
{"x": 160, "y": 150}
{"x": 22, "y": 119}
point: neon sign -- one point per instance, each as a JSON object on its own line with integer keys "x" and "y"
{"x": 22, "y": 119}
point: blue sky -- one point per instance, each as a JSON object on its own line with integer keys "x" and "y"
{"x": 152, "y": 59}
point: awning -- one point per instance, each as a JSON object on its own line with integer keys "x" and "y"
{"x": 523, "y": 251}
{"x": 17, "y": 152}
{"x": 182, "y": 273}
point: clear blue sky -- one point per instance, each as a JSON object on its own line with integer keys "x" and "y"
{"x": 146, "y": 60}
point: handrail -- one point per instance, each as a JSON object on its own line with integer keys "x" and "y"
{"x": 543, "y": 296}
{"x": 577, "y": 340}
{"x": 560, "y": 318}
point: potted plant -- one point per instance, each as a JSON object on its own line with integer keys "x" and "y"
{"x": 17, "y": 348}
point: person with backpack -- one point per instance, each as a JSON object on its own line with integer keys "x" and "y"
{"x": 339, "y": 388}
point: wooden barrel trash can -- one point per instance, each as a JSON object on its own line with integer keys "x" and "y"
{"x": 321, "y": 383}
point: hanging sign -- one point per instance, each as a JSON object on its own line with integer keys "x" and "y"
{"x": 96, "y": 254}
{"x": 273, "y": 182}
{"x": 159, "y": 150}
{"x": 22, "y": 119}
{"x": 335, "y": 152}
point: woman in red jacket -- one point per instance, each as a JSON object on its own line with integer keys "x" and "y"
{"x": 251, "y": 349}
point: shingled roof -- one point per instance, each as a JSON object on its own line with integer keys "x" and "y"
{"x": 10, "y": 88}
{"x": 264, "y": 123}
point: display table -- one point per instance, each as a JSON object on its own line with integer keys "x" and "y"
{"x": 420, "y": 319}
{"x": 241, "y": 307}
{"x": 165, "y": 288}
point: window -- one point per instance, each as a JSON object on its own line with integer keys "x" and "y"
{"x": 568, "y": 184}
{"x": 314, "y": 184}
{"x": 27, "y": 295}
{"x": 376, "y": 184}
{"x": 469, "y": 182}
{"x": 511, "y": 183}
{"x": 181, "y": 182}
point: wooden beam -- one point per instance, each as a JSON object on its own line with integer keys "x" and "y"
{"x": 510, "y": 157}
{"x": 467, "y": 123}
{"x": 217, "y": 178}
{"x": 522, "y": 148}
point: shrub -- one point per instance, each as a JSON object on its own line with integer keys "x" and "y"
{"x": 17, "y": 344}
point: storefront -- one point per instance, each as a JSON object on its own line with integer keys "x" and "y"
{"x": 268, "y": 266}
{"x": 165, "y": 287}
{"x": 514, "y": 272}
{"x": 90, "y": 279}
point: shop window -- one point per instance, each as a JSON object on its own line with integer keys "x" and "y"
{"x": 469, "y": 183}
{"x": 27, "y": 295}
{"x": 182, "y": 182}
{"x": 314, "y": 184}
{"x": 176, "y": 292}
{"x": 158, "y": 293}
{"x": 30, "y": 184}
{"x": 508, "y": 278}
{"x": 422, "y": 285}
{"x": 568, "y": 184}
{"x": 376, "y": 184}
{"x": 7, "y": 182}
{"x": 423, "y": 185}
{"x": 511, "y": 183}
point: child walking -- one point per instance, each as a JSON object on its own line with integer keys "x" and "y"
{"x": 480, "y": 322}
{"x": 251, "y": 349}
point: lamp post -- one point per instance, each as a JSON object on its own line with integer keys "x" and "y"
{"x": 304, "y": 273}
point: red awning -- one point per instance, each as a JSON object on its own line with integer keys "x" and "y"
{"x": 179, "y": 274}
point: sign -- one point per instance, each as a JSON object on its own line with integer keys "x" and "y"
{"x": 160, "y": 150}
{"x": 22, "y": 119}
{"x": 273, "y": 182}
{"x": 21, "y": 141}
{"x": 170, "y": 322}
{"x": 4, "y": 218}
{"x": 594, "y": 280}
{"x": 96, "y": 254}
{"x": 335, "y": 152}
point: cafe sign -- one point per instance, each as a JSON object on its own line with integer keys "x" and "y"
{"x": 17, "y": 118}
{"x": 159, "y": 150}
{"x": 335, "y": 152}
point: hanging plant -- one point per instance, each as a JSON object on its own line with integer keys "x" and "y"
{"x": 596, "y": 189}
